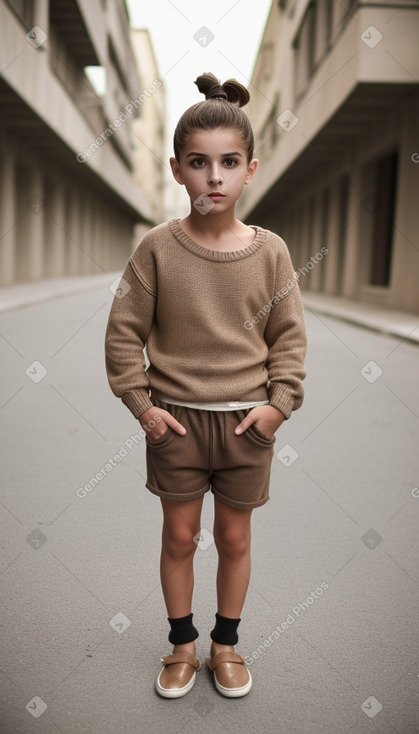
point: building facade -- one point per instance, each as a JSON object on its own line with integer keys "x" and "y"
{"x": 334, "y": 108}
{"x": 69, "y": 200}
{"x": 149, "y": 128}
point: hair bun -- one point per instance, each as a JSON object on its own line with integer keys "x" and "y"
{"x": 231, "y": 91}
{"x": 217, "y": 91}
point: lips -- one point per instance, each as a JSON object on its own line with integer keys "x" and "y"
{"x": 216, "y": 196}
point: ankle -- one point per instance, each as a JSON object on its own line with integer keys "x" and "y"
{"x": 219, "y": 647}
{"x": 186, "y": 646}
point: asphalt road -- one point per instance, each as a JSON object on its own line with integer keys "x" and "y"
{"x": 330, "y": 621}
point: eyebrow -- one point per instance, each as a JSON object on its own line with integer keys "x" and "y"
{"x": 223, "y": 155}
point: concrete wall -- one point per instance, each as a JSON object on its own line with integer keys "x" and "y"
{"x": 351, "y": 96}
{"x": 149, "y": 126}
{"x": 69, "y": 201}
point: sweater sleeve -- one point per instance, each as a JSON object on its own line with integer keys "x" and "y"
{"x": 285, "y": 336}
{"x": 129, "y": 324}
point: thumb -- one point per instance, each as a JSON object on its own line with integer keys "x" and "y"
{"x": 244, "y": 425}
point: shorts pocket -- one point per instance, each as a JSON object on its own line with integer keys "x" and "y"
{"x": 167, "y": 435}
{"x": 255, "y": 433}
{"x": 176, "y": 411}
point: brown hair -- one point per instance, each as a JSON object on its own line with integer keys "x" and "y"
{"x": 220, "y": 109}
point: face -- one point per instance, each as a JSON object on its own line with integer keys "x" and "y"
{"x": 214, "y": 161}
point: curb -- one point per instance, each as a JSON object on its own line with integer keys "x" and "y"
{"x": 32, "y": 294}
{"x": 375, "y": 321}
{"x": 371, "y": 318}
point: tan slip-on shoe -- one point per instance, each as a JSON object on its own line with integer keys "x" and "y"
{"x": 178, "y": 675}
{"x": 231, "y": 676}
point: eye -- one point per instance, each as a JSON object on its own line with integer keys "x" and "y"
{"x": 231, "y": 161}
{"x": 196, "y": 163}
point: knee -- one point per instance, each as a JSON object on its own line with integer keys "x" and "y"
{"x": 179, "y": 541}
{"x": 231, "y": 542}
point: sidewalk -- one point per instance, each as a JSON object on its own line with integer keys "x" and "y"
{"x": 23, "y": 295}
{"x": 382, "y": 320}
{"x": 334, "y": 569}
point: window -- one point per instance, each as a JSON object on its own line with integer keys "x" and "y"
{"x": 328, "y": 8}
{"x": 24, "y": 10}
{"x": 342, "y": 12}
{"x": 305, "y": 47}
{"x": 383, "y": 210}
{"x": 321, "y": 25}
{"x": 266, "y": 62}
{"x": 269, "y": 133}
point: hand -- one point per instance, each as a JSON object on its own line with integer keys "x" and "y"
{"x": 266, "y": 417}
{"x": 162, "y": 425}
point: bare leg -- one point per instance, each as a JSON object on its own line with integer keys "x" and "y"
{"x": 232, "y": 535}
{"x": 181, "y": 522}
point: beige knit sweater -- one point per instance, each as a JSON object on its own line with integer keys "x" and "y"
{"x": 219, "y": 326}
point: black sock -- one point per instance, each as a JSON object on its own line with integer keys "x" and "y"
{"x": 182, "y": 630}
{"x": 225, "y": 630}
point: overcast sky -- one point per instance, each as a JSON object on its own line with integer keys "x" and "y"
{"x": 227, "y": 45}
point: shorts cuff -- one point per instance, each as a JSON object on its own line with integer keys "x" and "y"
{"x": 237, "y": 503}
{"x": 178, "y": 496}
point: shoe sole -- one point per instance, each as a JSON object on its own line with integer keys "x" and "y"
{"x": 175, "y": 692}
{"x": 233, "y": 692}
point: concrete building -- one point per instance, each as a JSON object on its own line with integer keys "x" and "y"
{"x": 334, "y": 107}
{"x": 149, "y": 128}
{"x": 69, "y": 200}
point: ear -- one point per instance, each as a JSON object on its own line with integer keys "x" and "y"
{"x": 174, "y": 165}
{"x": 251, "y": 170}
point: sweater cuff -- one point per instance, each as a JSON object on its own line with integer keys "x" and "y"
{"x": 137, "y": 401}
{"x": 280, "y": 397}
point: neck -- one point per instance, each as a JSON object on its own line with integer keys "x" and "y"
{"x": 213, "y": 225}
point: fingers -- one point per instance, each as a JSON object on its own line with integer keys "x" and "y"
{"x": 266, "y": 418}
{"x": 151, "y": 418}
{"x": 156, "y": 428}
{"x": 173, "y": 423}
{"x": 247, "y": 421}
{"x": 244, "y": 425}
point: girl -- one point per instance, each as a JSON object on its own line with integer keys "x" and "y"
{"x": 218, "y": 305}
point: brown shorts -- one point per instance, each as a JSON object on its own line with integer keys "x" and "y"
{"x": 210, "y": 455}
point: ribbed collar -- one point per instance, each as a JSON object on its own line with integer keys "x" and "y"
{"x": 207, "y": 253}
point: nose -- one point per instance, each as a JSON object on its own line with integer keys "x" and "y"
{"x": 214, "y": 175}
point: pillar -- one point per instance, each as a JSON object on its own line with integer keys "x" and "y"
{"x": 8, "y": 215}
{"x": 55, "y": 212}
{"x": 331, "y": 261}
{"x": 350, "y": 282}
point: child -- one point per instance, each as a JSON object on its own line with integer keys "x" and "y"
{"x": 218, "y": 305}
